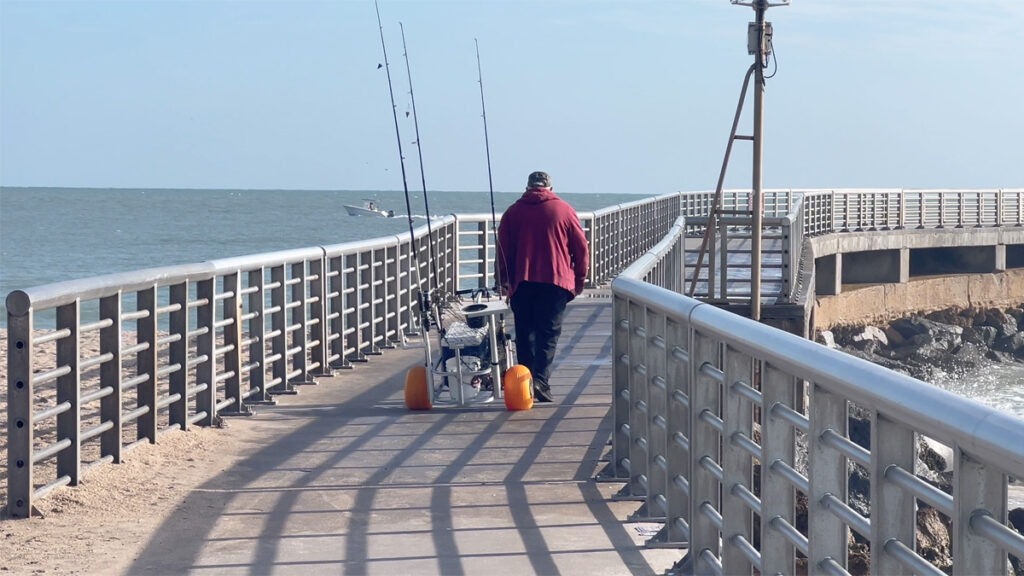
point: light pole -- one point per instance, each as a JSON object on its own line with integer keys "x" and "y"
{"x": 759, "y": 45}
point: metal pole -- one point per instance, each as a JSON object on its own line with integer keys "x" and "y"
{"x": 756, "y": 199}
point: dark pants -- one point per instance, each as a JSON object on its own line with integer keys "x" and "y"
{"x": 538, "y": 312}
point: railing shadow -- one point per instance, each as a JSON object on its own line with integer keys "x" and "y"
{"x": 367, "y": 485}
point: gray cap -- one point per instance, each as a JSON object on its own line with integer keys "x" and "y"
{"x": 539, "y": 180}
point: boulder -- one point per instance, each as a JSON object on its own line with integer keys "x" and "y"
{"x": 870, "y": 334}
{"x": 1011, "y": 344}
{"x": 895, "y": 338}
{"x": 1004, "y": 324}
{"x": 911, "y": 326}
{"x": 933, "y": 535}
{"x": 1016, "y": 518}
{"x": 828, "y": 339}
{"x": 951, "y": 316}
{"x": 984, "y": 335}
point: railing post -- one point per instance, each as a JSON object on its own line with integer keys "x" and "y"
{"x": 110, "y": 375}
{"x": 364, "y": 303}
{"x": 69, "y": 389}
{"x": 300, "y": 320}
{"x": 657, "y": 423}
{"x": 456, "y": 241}
{"x": 179, "y": 350}
{"x": 976, "y": 487}
{"x": 589, "y": 226}
{"x": 827, "y": 534}
{"x": 351, "y": 333}
{"x": 679, "y": 375}
{"x": 258, "y": 332}
{"x": 712, "y": 263}
{"x": 778, "y": 444}
{"x": 737, "y": 468}
{"x": 378, "y": 301}
{"x": 206, "y": 371}
{"x": 893, "y": 510}
{"x": 723, "y": 228}
{"x": 706, "y": 394}
{"x": 999, "y": 207}
{"x": 619, "y": 468}
{"x": 484, "y": 257}
{"x": 318, "y": 315}
{"x": 20, "y": 421}
{"x": 392, "y": 296}
{"x": 233, "y": 335}
{"x": 146, "y": 364}
{"x": 638, "y": 401}
{"x": 407, "y": 289}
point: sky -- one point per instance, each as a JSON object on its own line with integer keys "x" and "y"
{"x": 608, "y": 96}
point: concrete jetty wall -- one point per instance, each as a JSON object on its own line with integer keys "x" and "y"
{"x": 876, "y": 303}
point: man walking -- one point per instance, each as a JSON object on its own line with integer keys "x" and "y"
{"x": 542, "y": 259}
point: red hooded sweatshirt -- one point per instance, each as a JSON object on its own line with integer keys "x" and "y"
{"x": 540, "y": 240}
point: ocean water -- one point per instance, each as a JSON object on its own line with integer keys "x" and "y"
{"x": 56, "y": 234}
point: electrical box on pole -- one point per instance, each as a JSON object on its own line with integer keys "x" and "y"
{"x": 759, "y": 39}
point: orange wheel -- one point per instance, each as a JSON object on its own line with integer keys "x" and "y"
{"x": 417, "y": 390}
{"x": 518, "y": 388}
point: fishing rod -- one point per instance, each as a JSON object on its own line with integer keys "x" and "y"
{"x": 423, "y": 178}
{"x": 394, "y": 113}
{"x": 490, "y": 179}
{"x": 424, "y": 299}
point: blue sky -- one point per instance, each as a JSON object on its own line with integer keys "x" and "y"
{"x": 616, "y": 96}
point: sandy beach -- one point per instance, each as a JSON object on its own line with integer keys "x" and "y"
{"x": 100, "y": 526}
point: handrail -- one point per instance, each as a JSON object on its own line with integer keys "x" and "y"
{"x": 794, "y": 380}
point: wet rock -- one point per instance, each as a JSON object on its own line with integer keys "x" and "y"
{"x": 933, "y": 537}
{"x": 896, "y": 339}
{"x": 1004, "y": 324}
{"x": 828, "y": 339}
{"x": 983, "y": 335}
{"x": 870, "y": 334}
{"x": 1012, "y": 344}
{"x": 911, "y": 326}
{"x": 953, "y": 341}
{"x": 859, "y": 431}
{"x": 1016, "y": 518}
{"x": 1018, "y": 315}
{"x": 951, "y": 316}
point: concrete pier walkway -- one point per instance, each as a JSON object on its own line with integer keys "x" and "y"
{"x": 342, "y": 479}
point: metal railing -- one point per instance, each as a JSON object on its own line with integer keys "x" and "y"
{"x": 100, "y": 365}
{"x": 791, "y": 215}
{"x": 829, "y": 211}
{"x": 713, "y": 431}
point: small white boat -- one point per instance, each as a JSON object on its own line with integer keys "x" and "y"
{"x": 369, "y": 208}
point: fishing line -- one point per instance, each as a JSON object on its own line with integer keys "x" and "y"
{"x": 419, "y": 151}
{"x": 394, "y": 113}
{"x": 490, "y": 179}
{"x": 424, "y": 300}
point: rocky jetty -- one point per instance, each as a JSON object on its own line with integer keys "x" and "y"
{"x": 955, "y": 342}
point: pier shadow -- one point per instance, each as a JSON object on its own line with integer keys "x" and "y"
{"x": 365, "y": 486}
